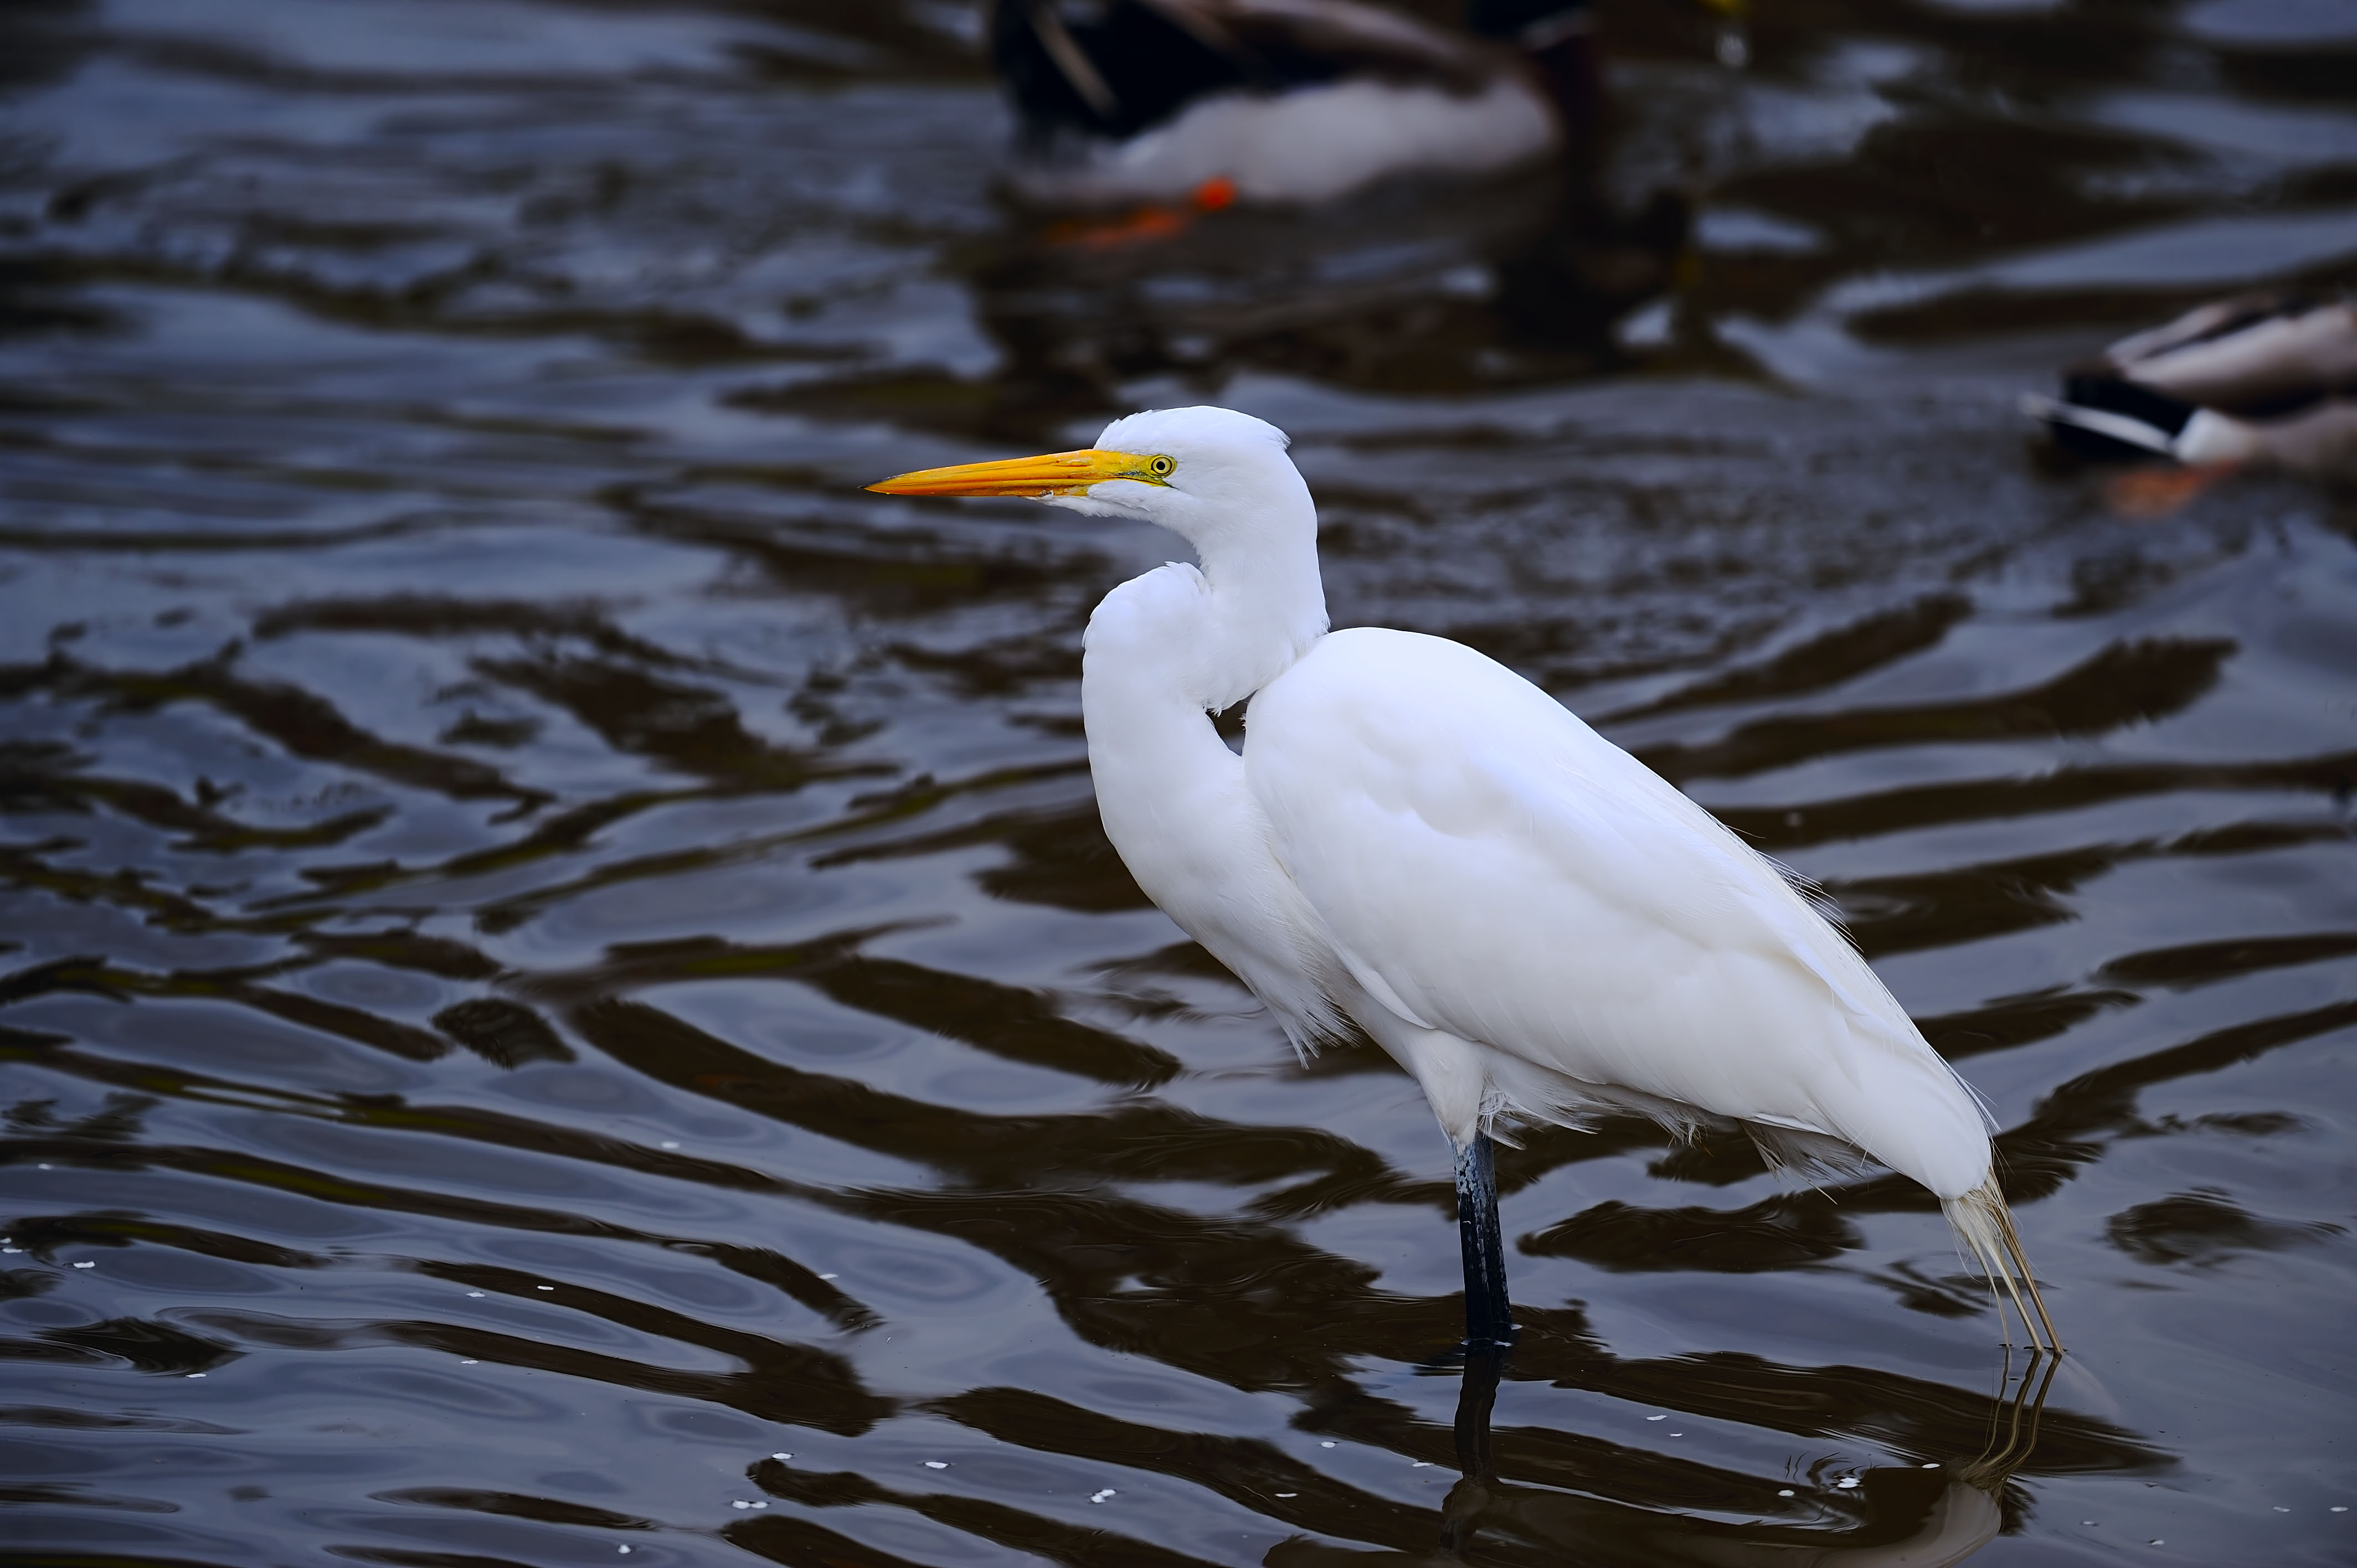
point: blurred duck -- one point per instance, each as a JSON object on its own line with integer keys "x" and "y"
{"x": 1280, "y": 100}
{"x": 2259, "y": 380}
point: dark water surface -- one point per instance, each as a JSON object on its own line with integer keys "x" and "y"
{"x": 555, "y": 953}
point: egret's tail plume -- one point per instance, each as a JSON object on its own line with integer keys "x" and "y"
{"x": 1986, "y": 1224}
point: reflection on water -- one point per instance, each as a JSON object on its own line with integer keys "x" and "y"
{"x": 1926, "y": 1514}
{"x": 560, "y": 988}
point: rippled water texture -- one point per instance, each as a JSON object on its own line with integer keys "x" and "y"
{"x": 562, "y": 994}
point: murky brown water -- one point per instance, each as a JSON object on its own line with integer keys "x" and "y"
{"x": 553, "y": 950}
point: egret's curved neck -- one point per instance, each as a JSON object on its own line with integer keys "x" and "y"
{"x": 1206, "y": 641}
{"x": 1267, "y": 606}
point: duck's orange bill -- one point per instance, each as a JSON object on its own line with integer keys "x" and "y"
{"x": 1053, "y": 474}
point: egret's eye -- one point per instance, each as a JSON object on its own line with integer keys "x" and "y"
{"x": 1161, "y": 467}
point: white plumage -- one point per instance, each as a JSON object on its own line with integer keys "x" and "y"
{"x": 1280, "y": 100}
{"x": 1415, "y": 838}
{"x": 1309, "y": 145}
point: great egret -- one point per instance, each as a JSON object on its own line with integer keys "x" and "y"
{"x": 1280, "y": 100}
{"x": 1419, "y": 840}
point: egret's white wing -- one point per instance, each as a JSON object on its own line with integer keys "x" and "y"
{"x": 1488, "y": 866}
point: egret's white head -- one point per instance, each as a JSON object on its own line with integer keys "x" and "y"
{"x": 1218, "y": 478}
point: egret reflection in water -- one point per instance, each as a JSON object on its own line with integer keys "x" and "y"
{"x": 1926, "y": 1514}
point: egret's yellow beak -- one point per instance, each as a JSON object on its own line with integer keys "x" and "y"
{"x": 1053, "y": 474}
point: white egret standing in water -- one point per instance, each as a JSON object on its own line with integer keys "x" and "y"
{"x": 1417, "y": 839}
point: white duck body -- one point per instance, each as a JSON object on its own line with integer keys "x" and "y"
{"x": 1306, "y": 145}
{"x": 1288, "y": 102}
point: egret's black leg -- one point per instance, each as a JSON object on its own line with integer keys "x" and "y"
{"x": 1489, "y": 1320}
